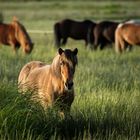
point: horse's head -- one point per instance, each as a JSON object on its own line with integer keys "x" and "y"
{"x": 68, "y": 61}
{"x": 22, "y": 36}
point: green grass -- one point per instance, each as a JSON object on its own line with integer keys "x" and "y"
{"x": 41, "y": 15}
{"x": 106, "y": 104}
{"x": 107, "y": 85}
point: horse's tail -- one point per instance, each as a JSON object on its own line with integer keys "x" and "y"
{"x": 57, "y": 34}
{"x": 118, "y": 40}
{"x": 90, "y": 36}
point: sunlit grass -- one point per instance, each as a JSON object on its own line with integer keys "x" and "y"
{"x": 107, "y": 85}
{"x": 106, "y": 97}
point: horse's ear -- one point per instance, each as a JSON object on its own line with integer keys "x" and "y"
{"x": 60, "y": 51}
{"x": 75, "y": 51}
{"x": 15, "y": 18}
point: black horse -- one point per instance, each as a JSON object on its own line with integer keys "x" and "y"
{"x": 104, "y": 33}
{"x": 78, "y": 30}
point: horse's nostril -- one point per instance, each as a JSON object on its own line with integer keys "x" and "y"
{"x": 69, "y": 85}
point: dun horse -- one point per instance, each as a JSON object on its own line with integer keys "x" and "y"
{"x": 127, "y": 34}
{"x": 15, "y": 35}
{"x": 51, "y": 83}
{"x": 104, "y": 33}
{"x": 78, "y": 30}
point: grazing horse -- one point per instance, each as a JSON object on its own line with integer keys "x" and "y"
{"x": 127, "y": 34}
{"x": 15, "y": 35}
{"x": 78, "y": 30}
{"x": 104, "y": 33}
{"x": 51, "y": 83}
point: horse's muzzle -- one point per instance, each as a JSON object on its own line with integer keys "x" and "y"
{"x": 69, "y": 85}
{"x": 29, "y": 50}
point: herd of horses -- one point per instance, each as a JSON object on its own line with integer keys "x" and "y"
{"x": 96, "y": 35}
{"x": 53, "y": 84}
{"x": 124, "y": 34}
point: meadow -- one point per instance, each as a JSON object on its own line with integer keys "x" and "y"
{"x": 107, "y": 85}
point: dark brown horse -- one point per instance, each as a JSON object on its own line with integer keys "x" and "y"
{"x": 104, "y": 33}
{"x": 78, "y": 30}
{"x": 15, "y": 35}
{"x": 51, "y": 83}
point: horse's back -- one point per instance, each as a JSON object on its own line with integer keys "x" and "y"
{"x": 109, "y": 32}
{"x": 128, "y": 28}
{"x": 104, "y": 31}
{"x": 106, "y": 26}
{"x": 27, "y": 70}
{"x": 73, "y": 28}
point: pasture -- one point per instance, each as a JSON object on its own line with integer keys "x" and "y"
{"x": 107, "y": 85}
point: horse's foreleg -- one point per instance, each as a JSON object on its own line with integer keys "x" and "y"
{"x": 14, "y": 48}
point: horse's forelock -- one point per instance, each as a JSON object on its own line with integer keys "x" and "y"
{"x": 71, "y": 57}
{"x": 68, "y": 56}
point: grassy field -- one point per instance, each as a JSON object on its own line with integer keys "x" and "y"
{"x": 107, "y": 85}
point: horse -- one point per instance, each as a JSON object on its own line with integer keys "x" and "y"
{"x": 127, "y": 34}
{"x": 78, "y": 30}
{"x": 104, "y": 33}
{"x": 15, "y": 35}
{"x": 52, "y": 84}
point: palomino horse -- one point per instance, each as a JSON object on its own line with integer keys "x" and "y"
{"x": 104, "y": 33}
{"x": 15, "y": 35}
{"x": 127, "y": 34}
{"x": 78, "y": 30}
{"x": 51, "y": 83}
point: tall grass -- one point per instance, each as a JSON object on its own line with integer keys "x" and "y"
{"x": 107, "y": 85}
{"x": 106, "y": 104}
